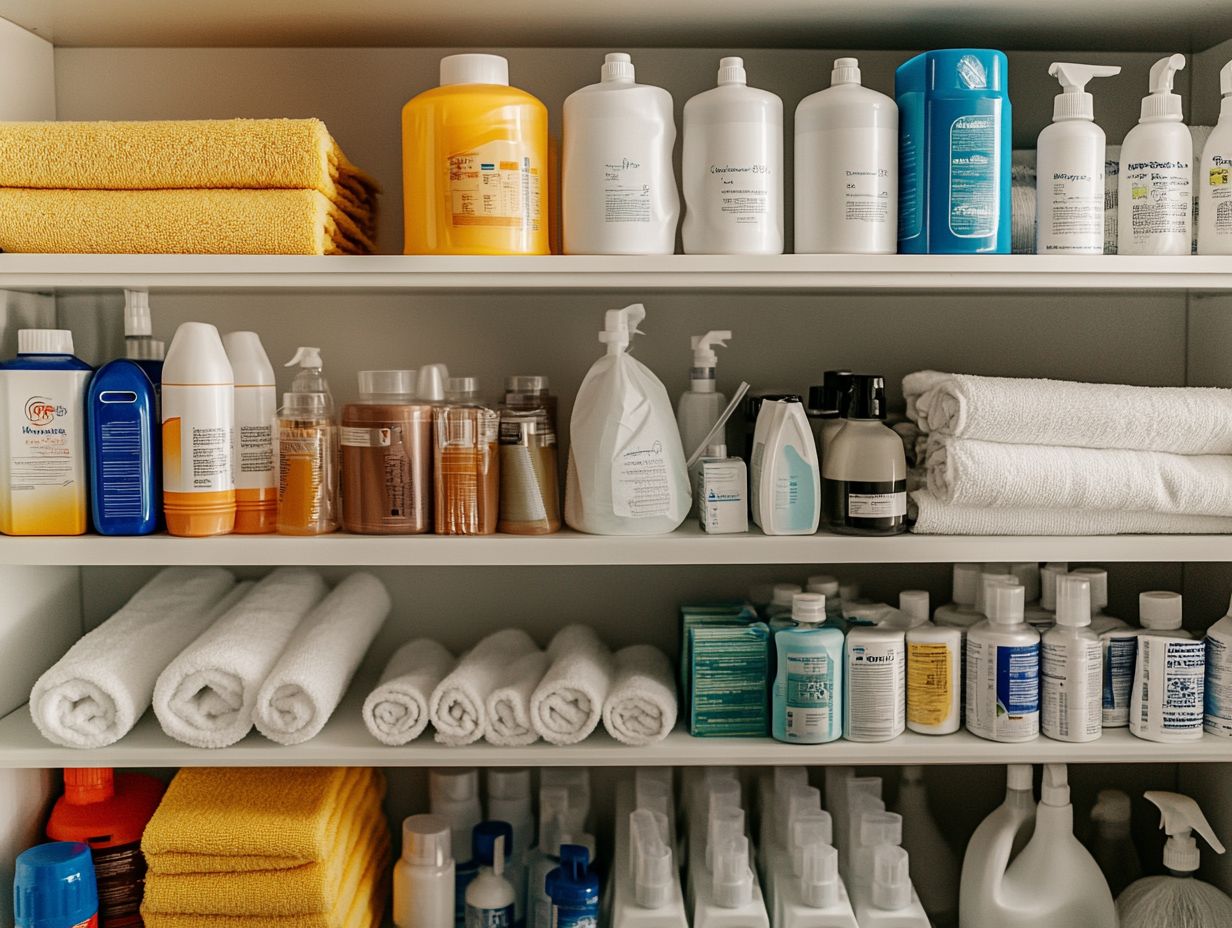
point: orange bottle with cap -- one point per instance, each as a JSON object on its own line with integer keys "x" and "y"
{"x": 109, "y": 812}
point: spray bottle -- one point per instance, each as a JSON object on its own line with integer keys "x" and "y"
{"x": 699, "y": 406}
{"x": 1215, "y": 178}
{"x": 306, "y": 448}
{"x": 1177, "y": 900}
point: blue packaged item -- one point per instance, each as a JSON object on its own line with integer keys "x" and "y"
{"x": 123, "y": 440}
{"x": 954, "y": 133}
{"x": 574, "y": 890}
{"x": 54, "y": 887}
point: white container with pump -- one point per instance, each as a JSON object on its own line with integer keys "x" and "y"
{"x": 618, "y": 189}
{"x": 1154, "y": 200}
{"x": 846, "y": 168}
{"x": 1215, "y": 178}
{"x": 1069, "y": 167}
{"x": 701, "y": 405}
{"x": 1003, "y": 670}
{"x": 1071, "y": 664}
{"x": 424, "y": 874}
{"x": 994, "y": 844}
{"x": 1167, "y": 702}
{"x": 892, "y": 901}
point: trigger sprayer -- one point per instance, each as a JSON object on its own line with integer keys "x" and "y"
{"x": 1074, "y": 102}
{"x": 1161, "y": 103}
{"x": 309, "y": 381}
{"x": 620, "y": 325}
{"x": 1181, "y": 817}
{"x": 704, "y": 359}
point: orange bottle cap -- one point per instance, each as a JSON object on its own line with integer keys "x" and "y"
{"x": 85, "y": 785}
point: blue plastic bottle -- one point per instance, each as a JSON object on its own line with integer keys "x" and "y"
{"x": 122, "y": 431}
{"x": 808, "y": 686}
{"x": 54, "y": 887}
{"x": 954, "y": 153}
{"x": 574, "y": 890}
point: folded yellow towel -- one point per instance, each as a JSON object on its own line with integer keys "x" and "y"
{"x": 239, "y": 222}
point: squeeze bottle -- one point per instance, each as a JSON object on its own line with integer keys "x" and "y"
{"x": 1215, "y": 178}
{"x": 424, "y": 874}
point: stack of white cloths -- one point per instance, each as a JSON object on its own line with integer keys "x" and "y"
{"x": 1007, "y": 456}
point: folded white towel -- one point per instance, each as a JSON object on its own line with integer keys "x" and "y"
{"x": 641, "y": 706}
{"x": 97, "y": 691}
{"x": 568, "y": 704}
{"x": 508, "y": 705}
{"x": 459, "y": 702}
{"x": 985, "y": 473}
{"x": 304, "y": 687}
{"x": 205, "y": 696}
{"x": 396, "y": 712}
{"x": 1180, "y": 420}
{"x": 935, "y": 517}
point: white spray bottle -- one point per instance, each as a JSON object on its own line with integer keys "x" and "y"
{"x": 1177, "y": 900}
{"x": 701, "y": 405}
{"x": 1215, "y": 178}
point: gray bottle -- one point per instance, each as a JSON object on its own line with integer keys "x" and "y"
{"x": 864, "y": 470}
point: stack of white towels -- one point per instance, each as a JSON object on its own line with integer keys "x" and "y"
{"x": 1006, "y": 456}
{"x": 215, "y": 658}
{"x": 510, "y": 692}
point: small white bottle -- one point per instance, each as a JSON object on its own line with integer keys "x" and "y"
{"x": 618, "y": 188}
{"x": 846, "y": 168}
{"x": 256, "y": 402}
{"x": 1218, "y": 719}
{"x": 1071, "y": 665}
{"x": 722, "y": 506}
{"x": 961, "y": 611}
{"x": 1154, "y": 199}
{"x": 875, "y": 703}
{"x": 1069, "y": 201}
{"x": 934, "y": 678}
{"x": 701, "y": 405}
{"x": 1003, "y": 671}
{"x": 1215, "y": 178}
{"x": 424, "y": 874}
{"x": 1167, "y": 702}
{"x": 509, "y": 800}
{"x": 732, "y": 165}
{"x": 490, "y": 897}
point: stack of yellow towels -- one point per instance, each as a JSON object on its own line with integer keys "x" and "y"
{"x": 235, "y": 186}
{"x": 280, "y": 847}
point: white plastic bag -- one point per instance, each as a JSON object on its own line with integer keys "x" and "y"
{"x": 627, "y": 472}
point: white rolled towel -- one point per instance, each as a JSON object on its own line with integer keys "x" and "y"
{"x": 205, "y": 697}
{"x": 1180, "y": 420}
{"x": 641, "y": 706}
{"x": 97, "y": 691}
{"x": 508, "y": 705}
{"x": 568, "y": 704}
{"x": 459, "y": 702}
{"x": 308, "y": 681}
{"x": 396, "y": 712}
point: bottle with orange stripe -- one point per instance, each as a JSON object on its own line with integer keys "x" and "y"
{"x": 252, "y": 447}
{"x": 198, "y": 412}
{"x": 306, "y": 450}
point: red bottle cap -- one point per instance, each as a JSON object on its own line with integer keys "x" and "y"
{"x": 85, "y": 785}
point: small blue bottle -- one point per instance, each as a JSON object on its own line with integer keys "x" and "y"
{"x": 122, "y": 437}
{"x": 54, "y": 887}
{"x": 808, "y": 686}
{"x": 574, "y": 890}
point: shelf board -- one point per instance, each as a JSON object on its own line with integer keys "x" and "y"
{"x": 781, "y": 273}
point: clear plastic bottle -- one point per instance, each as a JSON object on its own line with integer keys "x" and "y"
{"x": 306, "y": 448}
{"x": 529, "y": 481}
{"x": 467, "y": 477}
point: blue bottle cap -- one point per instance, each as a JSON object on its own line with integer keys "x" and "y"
{"x": 54, "y": 886}
{"x": 572, "y": 884}
{"x": 484, "y": 838}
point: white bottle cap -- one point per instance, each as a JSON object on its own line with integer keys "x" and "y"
{"x": 137, "y": 313}
{"x": 454, "y": 795}
{"x": 819, "y": 875}
{"x": 732, "y": 876}
{"x": 731, "y": 71}
{"x": 809, "y": 608}
{"x": 722, "y": 826}
{"x": 1159, "y": 609}
{"x": 784, "y": 593}
{"x": 1073, "y": 600}
{"x": 431, "y": 383}
{"x": 1074, "y": 102}
{"x": 1055, "y": 789}
{"x": 474, "y": 69}
{"x": 891, "y": 878}
{"x": 48, "y": 341}
{"x": 914, "y": 604}
{"x": 880, "y": 828}
{"x": 824, "y": 584}
{"x": 1006, "y": 604}
{"x": 617, "y": 66}
{"x": 717, "y": 452}
{"x": 704, "y": 345}
{"x": 196, "y": 356}
{"x": 653, "y": 872}
{"x": 1019, "y": 777}
{"x": 1028, "y": 574}
{"x": 399, "y": 385}
{"x": 250, "y": 365}
{"x": 425, "y": 840}
{"x": 1162, "y": 103}
{"x": 1099, "y": 585}
{"x": 845, "y": 71}
{"x": 983, "y": 602}
{"x": 791, "y": 804}
{"x": 808, "y": 827}
{"x": 966, "y": 584}
{"x": 1049, "y": 575}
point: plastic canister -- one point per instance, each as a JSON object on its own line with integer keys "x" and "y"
{"x": 54, "y": 887}
{"x": 573, "y": 889}
{"x": 256, "y": 402}
{"x": 122, "y": 423}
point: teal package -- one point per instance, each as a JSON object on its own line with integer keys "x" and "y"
{"x": 955, "y": 136}
{"x": 719, "y": 612}
{"x": 729, "y": 668}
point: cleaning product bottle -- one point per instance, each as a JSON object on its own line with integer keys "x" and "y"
{"x": 475, "y": 164}
{"x": 1178, "y": 900}
{"x": 1112, "y": 846}
{"x": 808, "y": 685}
{"x": 865, "y": 467}
{"x": 252, "y": 453}
{"x": 509, "y": 800}
{"x": 1154, "y": 208}
{"x": 574, "y": 890}
{"x": 1167, "y": 702}
{"x": 1003, "y": 671}
{"x": 122, "y": 427}
{"x": 954, "y": 136}
{"x": 936, "y": 867}
{"x": 1218, "y": 690}
{"x": 701, "y": 405}
{"x": 1071, "y": 668}
{"x": 490, "y": 896}
{"x": 627, "y": 473}
{"x": 54, "y": 887}
{"x": 454, "y": 796}
{"x": 617, "y": 186}
{"x": 198, "y": 410}
{"x": 994, "y": 844}
{"x": 875, "y": 684}
{"x": 892, "y": 901}
{"x": 960, "y": 612}
{"x": 109, "y": 812}
{"x": 1069, "y": 167}
{"x": 139, "y": 343}
{"x": 43, "y": 469}
{"x": 934, "y": 679}
{"x": 846, "y": 168}
{"x": 730, "y": 896}
{"x": 732, "y": 164}
{"x": 1215, "y": 178}
{"x": 306, "y": 448}
{"x": 424, "y": 875}
{"x": 784, "y": 476}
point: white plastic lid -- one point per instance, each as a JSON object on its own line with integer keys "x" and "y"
{"x": 1161, "y": 103}
{"x": 250, "y": 365}
{"x": 1159, "y": 609}
{"x": 430, "y": 386}
{"x": 617, "y": 66}
{"x": 48, "y": 341}
{"x": 196, "y": 356}
{"x": 983, "y": 601}
{"x": 819, "y": 875}
{"x": 1005, "y": 605}
{"x": 718, "y": 452}
{"x": 807, "y": 828}
{"x": 731, "y": 71}
{"x": 785, "y": 593}
{"x": 914, "y": 604}
{"x": 809, "y": 608}
{"x": 966, "y": 584}
{"x": 137, "y": 313}
{"x": 1019, "y": 777}
{"x": 1074, "y": 102}
{"x": 1028, "y": 574}
{"x": 789, "y": 805}
{"x": 474, "y": 69}
{"x": 722, "y": 826}
{"x": 620, "y": 325}
{"x": 891, "y": 878}
{"x": 1099, "y": 585}
{"x": 732, "y": 876}
{"x": 400, "y": 384}
{"x": 824, "y": 584}
{"x": 1049, "y": 574}
{"x": 1073, "y": 600}
{"x": 426, "y": 840}
{"x": 453, "y": 785}
{"x": 845, "y": 71}
{"x": 1055, "y": 790}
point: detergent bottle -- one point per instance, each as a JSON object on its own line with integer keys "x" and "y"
{"x": 994, "y": 845}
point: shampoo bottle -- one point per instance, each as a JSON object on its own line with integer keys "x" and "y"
{"x": 424, "y": 874}
{"x": 256, "y": 402}
{"x": 865, "y": 467}
{"x": 1003, "y": 671}
{"x": 994, "y": 844}
{"x": 1215, "y": 178}
{"x": 1218, "y": 692}
{"x": 306, "y": 448}
{"x": 808, "y": 684}
{"x": 1071, "y": 664}
{"x": 490, "y": 896}
{"x": 122, "y": 421}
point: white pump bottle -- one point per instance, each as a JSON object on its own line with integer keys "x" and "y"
{"x": 1215, "y": 178}
{"x": 1154, "y": 200}
{"x": 701, "y": 405}
{"x": 1069, "y": 206}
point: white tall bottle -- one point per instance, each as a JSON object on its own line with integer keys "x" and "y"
{"x": 1071, "y": 668}
{"x": 732, "y": 166}
{"x": 1069, "y": 202}
{"x": 701, "y": 405}
{"x": 256, "y": 402}
{"x": 846, "y": 168}
{"x": 618, "y": 189}
{"x": 993, "y": 845}
{"x": 1154, "y": 200}
{"x": 424, "y": 874}
{"x": 1003, "y": 671}
{"x": 1215, "y": 178}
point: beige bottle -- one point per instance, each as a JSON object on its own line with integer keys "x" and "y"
{"x": 864, "y": 470}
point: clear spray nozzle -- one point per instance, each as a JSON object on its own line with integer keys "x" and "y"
{"x": 1074, "y": 102}
{"x": 704, "y": 345}
{"x": 1180, "y": 817}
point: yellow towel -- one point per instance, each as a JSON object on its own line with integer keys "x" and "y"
{"x": 238, "y": 222}
{"x": 221, "y": 820}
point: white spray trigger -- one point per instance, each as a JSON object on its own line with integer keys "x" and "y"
{"x": 306, "y": 357}
{"x": 1074, "y": 102}
{"x": 619, "y": 325}
{"x": 703, "y": 345}
{"x": 1163, "y": 72}
{"x": 1180, "y": 817}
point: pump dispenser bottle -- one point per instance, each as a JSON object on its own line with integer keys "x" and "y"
{"x": 1215, "y": 178}
{"x": 864, "y": 474}
{"x": 424, "y": 874}
{"x": 1071, "y": 663}
{"x": 306, "y": 448}
{"x": 701, "y": 405}
{"x": 1154, "y": 202}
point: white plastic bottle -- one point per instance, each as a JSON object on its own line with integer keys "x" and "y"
{"x": 490, "y": 896}
{"x": 424, "y": 874}
{"x": 1218, "y": 720}
{"x": 509, "y": 800}
{"x": 960, "y": 612}
{"x": 1215, "y": 178}
{"x": 784, "y": 473}
{"x": 1167, "y": 702}
{"x": 701, "y": 405}
{"x": 995, "y": 842}
{"x": 732, "y": 166}
{"x": 256, "y": 402}
{"x": 1003, "y": 671}
{"x": 1071, "y": 664}
{"x": 618, "y": 189}
{"x": 875, "y": 703}
{"x": 936, "y": 867}
{"x": 934, "y": 679}
{"x": 1154, "y": 200}
{"x": 846, "y": 168}
{"x": 1069, "y": 168}
{"x": 454, "y": 796}
{"x": 891, "y": 901}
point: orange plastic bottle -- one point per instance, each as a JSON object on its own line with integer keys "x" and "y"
{"x": 109, "y": 812}
{"x": 475, "y": 164}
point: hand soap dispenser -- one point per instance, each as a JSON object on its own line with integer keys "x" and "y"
{"x": 1215, "y": 178}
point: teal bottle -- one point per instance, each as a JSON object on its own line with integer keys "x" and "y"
{"x": 808, "y": 684}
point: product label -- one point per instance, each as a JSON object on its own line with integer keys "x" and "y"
{"x": 496, "y": 184}
{"x": 303, "y": 467}
{"x": 1112, "y": 178}
{"x": 489, "y": 918}
{"x": 1169, "y": 686}
{"x": 740, "y": 188}
{"x": 1218, "y": 686}
{"x": 121, "y": 469}
{"x": 875, "y": 506}
{"x": 846, "y": 202}
{"x": 197, "y": 434}
{"x": 727, "y": 673}
{"x": 794, "y": 488}
{"x": 876, "y": 689}
{"x": 575, "y": 917}
{"x": 1160, "y": 201}
{"x": 974, "y": 182}
{"x": 810, "y": 695}
{"x": 1071, "y": 689}
{"x": 365, "y": 438}
{"x": 1002, "y": 690}
{"x": 627, "y": 191}
{"x": 253, "y": 450}
{"x": 1120, "y": 657}
{"x": 910, "y": 171}
{"x": 722, "y": 505}
{"x": 1219, "y": 195}
{"x": 931, "y": 680}
{"x": 1073, "y": 213}
{"x": 642, "y": 483}
{"x": 120, "y": 872}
